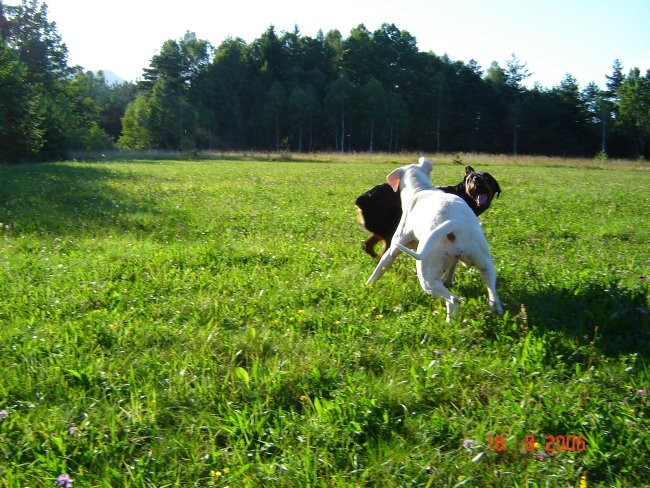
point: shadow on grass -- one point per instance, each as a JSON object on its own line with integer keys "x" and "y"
{"x": 617, "y": 317}
{"x": 65, "y": 199}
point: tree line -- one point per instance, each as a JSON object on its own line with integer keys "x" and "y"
{"x": 370, "y": 91}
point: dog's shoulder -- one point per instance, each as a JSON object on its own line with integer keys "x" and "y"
{"x": 434, "y": 196}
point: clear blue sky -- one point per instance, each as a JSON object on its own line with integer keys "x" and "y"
{"x": 554, "y": 37}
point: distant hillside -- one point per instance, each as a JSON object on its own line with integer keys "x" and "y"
{"x": 111, "y": 78}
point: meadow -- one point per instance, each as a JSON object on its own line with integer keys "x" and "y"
{"x": 181, "y": 323}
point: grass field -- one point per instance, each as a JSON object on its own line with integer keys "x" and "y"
{"x": 205, "y": 323}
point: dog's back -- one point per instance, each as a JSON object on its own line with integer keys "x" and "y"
{"x": 430, "y": 209}
{"x": 441, "y": 203}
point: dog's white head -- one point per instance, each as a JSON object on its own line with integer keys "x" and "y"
{"x": 415, "y": 176}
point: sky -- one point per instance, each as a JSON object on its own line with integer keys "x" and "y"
{"x": 553, "y": 37}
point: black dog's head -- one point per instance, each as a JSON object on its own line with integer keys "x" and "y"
{"x": 481, "y": 188}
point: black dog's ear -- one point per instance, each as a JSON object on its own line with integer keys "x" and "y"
{"x": 468, "y": 170}
{"x": 493, "y": 183}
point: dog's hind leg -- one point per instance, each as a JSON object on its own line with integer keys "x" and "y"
{"x": 489, "y": 273}
{"x": 369, "y": 246}
{"x": 437, "y": 288}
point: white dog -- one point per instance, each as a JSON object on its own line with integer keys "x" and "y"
{"x": 446, "y": 230}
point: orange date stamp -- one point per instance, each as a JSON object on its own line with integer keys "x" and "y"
{"x": 551, "y": 443}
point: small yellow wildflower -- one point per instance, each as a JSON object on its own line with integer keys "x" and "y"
{"x": 226, "y": 470}
{"x": 301, "y": 311}
{"x": 537, "y": 445}
{"x": 583, "y": 481}
{"x": 303, "y": 398}
{"x": 215, "y": 474}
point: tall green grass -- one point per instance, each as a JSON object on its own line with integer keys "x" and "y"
{"x": 205, "y": 323}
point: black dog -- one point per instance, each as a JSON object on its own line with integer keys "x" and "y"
{"x": 380, "y": 209}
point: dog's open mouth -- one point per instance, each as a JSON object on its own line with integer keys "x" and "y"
{"x": 482, "y": 200}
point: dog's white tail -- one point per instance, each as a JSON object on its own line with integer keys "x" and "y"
{"x": 444, "y": 229}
